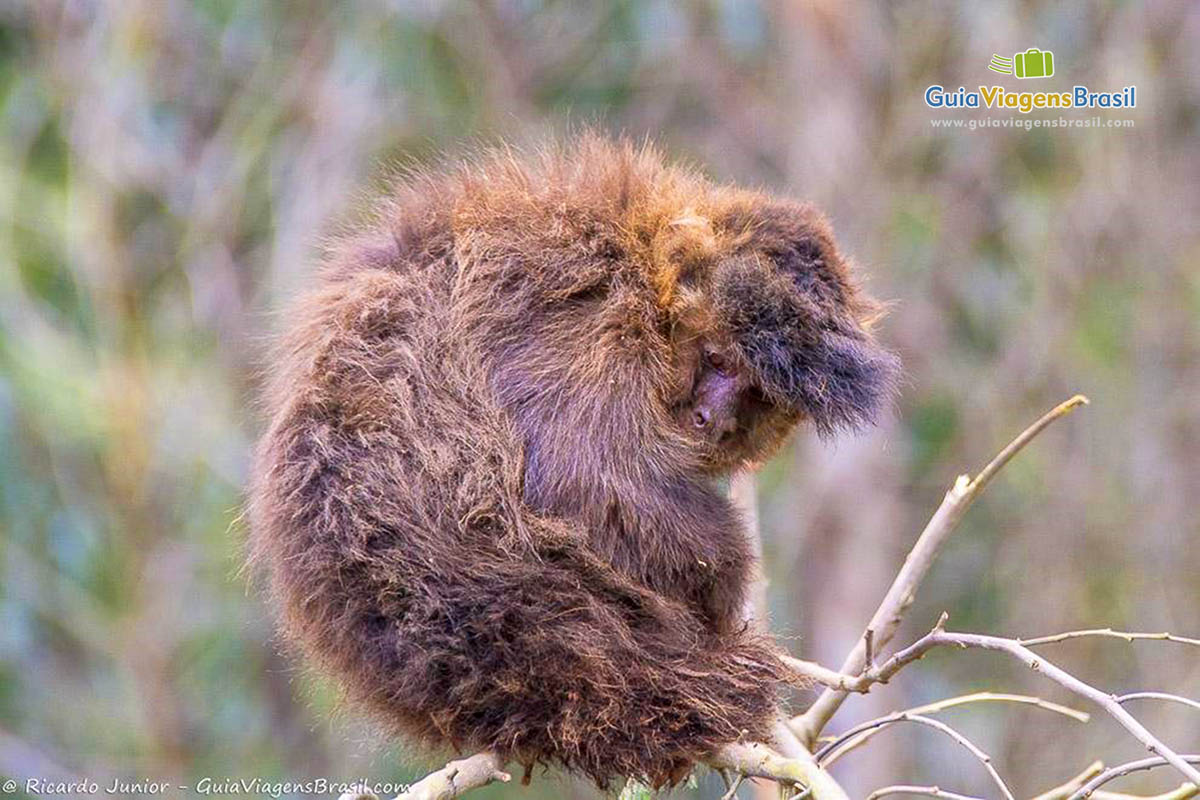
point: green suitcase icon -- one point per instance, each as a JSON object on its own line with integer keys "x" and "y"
{"x": 1034, "y": 63}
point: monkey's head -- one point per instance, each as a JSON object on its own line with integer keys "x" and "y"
{"x": 641, "y": 318}
{"x": 769, "y": 329}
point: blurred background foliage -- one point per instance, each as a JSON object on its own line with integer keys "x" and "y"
{"x": 167, "y": 171}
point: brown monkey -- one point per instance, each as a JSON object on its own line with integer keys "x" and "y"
{"x": 484, "y": 499}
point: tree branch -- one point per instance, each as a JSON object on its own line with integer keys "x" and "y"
{"x": 887, "y": 617}
{"x": 1125, "y": 635}
{"x": 931, "y": 791}
{"x": 1125, "y": 769}
{"x": 1173, "y": 698}
{"x": 759, "y": 761}
{"x": 452, "y": 780}
{"x": 1186, "y": 791}
{"x": 932, "y": 708}
{"x": 1000, "y": 697}
{"x": 822, "y": 786}
{"x": 939, "y": 637}
{"x": 831, "y": 752}
{"x": 1063, "y": 790}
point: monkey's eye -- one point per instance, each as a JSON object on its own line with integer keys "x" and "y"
{"x": 715, "y": 360}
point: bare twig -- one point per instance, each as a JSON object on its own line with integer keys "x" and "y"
{"x": 825, "y": 676}
{"x": 831, "y": 752}
{"x": 950, "y": 702}
{"x": 1109, "y": 632}
{"x": 939, "y": 637}
{"x": 733, "y": 787}
{"x": 899, "y": 597}
{"x": 1173, "y": 698}
{"x": 1063, "y": 790}
{"x": 1000, "y": 697}
{"x": 1122, "y": 770}
{"x": 931, "y": 791}
{"x": 1185, "y": 791}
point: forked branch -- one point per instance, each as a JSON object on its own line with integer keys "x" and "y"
{"x": 887, "y": 617}
{"x": 940, "y": 637}
{"x": 1089, "y": 789}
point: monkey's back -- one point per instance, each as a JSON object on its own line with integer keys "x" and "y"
{"x": 385, "y": 473}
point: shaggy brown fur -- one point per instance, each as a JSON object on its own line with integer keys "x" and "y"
{"x": 475, "y": 500}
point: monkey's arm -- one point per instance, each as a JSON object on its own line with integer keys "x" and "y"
{"x": 685, "y": 540}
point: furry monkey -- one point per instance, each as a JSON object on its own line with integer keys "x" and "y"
{"x": 485, "y": 497}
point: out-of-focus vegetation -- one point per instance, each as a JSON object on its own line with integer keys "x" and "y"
{"x": 167, "y": 170}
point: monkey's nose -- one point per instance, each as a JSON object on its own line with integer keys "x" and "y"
{"x": 701, "y": 418}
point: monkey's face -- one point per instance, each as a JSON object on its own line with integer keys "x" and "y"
{"x": 772, "y": 331}
{"x": 719, "y": 407}
{"x": 722, "y": 410}
{"x": 719, "y": 392}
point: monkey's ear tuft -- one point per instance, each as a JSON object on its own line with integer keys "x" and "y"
{"x": 824, "y": 366}
{"x": 843, "y": 382}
